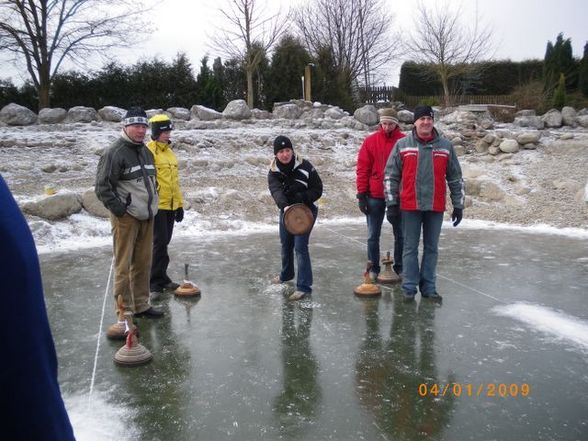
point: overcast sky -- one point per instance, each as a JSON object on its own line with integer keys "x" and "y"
{"x": 521, "y": 27}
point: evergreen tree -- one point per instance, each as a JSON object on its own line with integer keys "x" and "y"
{"x": 583, "y": 74}
{"x": 216, "y": 85}
{"x": 235, "y": 81}
{"x": 287, "y": 66}
{"x": 72, "y": 88}
{"x": 333, "y": 83}
{"x": 559, "y": 97}
{"x": 202, "y": 81}
{"x": 559, "y": 60}
{"x": 182, "y": 90}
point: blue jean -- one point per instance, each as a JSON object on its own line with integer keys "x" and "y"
{"x": 425, "y": 277}
{"x": 375, "y": 218}
{"x": 298, "y": 243}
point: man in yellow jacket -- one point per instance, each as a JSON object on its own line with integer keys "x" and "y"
{"x": 170, "y": 202}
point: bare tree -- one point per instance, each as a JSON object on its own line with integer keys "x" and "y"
{"x": 251, "y": 33}
{"x": 358, "y": 32}
{"x": 446, "y": 45}
{"x": 43, "y": 34}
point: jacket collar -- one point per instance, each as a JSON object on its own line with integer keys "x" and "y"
{"x": 161, "y": 146}
{"x": 430, "y": 141}
{"x": 129, "y": 140}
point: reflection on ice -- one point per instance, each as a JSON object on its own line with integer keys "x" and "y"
{"x": 557, "y": 324}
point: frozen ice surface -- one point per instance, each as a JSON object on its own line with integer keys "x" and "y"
{"x": 243, "y": 363}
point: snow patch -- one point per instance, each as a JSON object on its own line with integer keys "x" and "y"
{"x": 557, "y": 324}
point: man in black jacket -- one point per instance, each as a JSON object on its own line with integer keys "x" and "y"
{"x": 293, "y": 180}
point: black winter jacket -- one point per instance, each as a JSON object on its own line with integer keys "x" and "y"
{"x": 302, "y": 185}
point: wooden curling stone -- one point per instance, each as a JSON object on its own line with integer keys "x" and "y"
{"x": 187, "y": 289}
{"x": 388, "y": 276}
{"x": 367, "y": 288}
{"x": 298, "y": 219}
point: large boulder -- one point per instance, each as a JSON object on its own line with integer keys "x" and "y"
{"x": 204, "y": 113}
{"x": 17, "y": 115}
{"x": 93, "y": 205}
{"x": 260, "y": 114}
{"x": 82, "y": 114}
{"x": 405, "y": 116}
{"x": 52, "y": 116}
{"x": 552, "y": 118}
{"x": 237, "y": 110}
{"x": 568, "y": 116}
{"x": 528, "y": 137}
{"x": 287, "y": 111}
{"x": 367, "y": 115}
{"x": 112, "y": 113}
{"x": 534, "y": 122}
{"x": 179, "y": 113}
{"x": 582, "y": 120}
{"x": 55, "y": 207}
{"x": 334, "y": 113}
{"x": 509, "y": 146}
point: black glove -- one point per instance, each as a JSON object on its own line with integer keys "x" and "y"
{"x": 300, "y": 198}
{"x": 362, "y": 202}
{"x": 179, "y": 214}
{"x": 392, "y": 213}
{"x": 456, "y": 216}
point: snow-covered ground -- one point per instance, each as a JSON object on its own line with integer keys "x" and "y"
{"x": 224, "y": 178}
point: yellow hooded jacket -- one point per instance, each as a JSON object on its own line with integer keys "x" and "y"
{"x": 168, "y": 181}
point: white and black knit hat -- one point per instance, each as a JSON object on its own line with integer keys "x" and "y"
{"x": 135, "y": 115}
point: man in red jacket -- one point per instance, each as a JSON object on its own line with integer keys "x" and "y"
{"x": 419, "y": 171}
{"x": 371, "y": 162}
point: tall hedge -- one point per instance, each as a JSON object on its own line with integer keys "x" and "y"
{"x": 486, "y": 78}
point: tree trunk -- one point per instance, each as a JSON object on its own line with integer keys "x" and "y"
{"x": 249, "y": 74}
{"x": 445, "y": 83}
{"x": 43, "y": 92}
{"x": 44, "y": 86}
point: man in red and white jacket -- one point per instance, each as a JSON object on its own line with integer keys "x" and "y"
{"x": 371, "y": 162}
{"x": 417, "y": 174}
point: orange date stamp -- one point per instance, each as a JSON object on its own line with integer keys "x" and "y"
{"x": 501, "y": 390}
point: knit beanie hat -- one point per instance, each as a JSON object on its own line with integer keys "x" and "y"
{"x": 160, "y": 123}
{"x": 421, "y": 111}
{"x": 388, "y": 115}
{"x": 135, "y": 115}
{"x": 282, "y": 142}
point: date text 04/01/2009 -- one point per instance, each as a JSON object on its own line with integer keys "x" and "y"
{"x": 475, "y": 390}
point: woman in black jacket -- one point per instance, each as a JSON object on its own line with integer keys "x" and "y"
{"x": 293, "y": 180}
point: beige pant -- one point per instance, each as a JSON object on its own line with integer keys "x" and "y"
{"x": 132, "y": 242}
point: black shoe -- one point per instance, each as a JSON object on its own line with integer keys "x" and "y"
{"x": 408, "y": 296}
{"x": 150, "y": 313}
{"x": 435, "y": 297}
{"x": 172, "y": 286}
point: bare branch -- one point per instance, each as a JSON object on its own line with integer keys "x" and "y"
{"x": 249, "y": 35}
{"x": 440, "y": 40}
{"x": 358, "y": 32}
{"x": 42, "y": 34}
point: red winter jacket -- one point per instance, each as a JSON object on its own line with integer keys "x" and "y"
{"x": 371, "y": 162}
